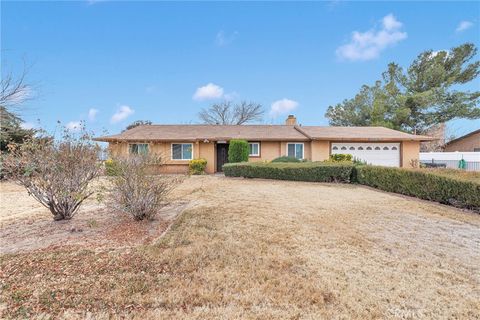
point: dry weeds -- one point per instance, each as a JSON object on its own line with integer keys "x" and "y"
{"x": 267, "y": 249}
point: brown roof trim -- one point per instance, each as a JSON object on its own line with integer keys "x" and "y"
{"x": 370, "y": 139}
{"x": 463, "y": 137}
{"x": 108, "y": 139}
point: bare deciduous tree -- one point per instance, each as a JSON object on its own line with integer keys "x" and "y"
{"x": 13, "y": 92}
{"x": 137, "y": 123}
{"x": 55, "y": 173}
{"x": 136, "y": 192}
{"x": 227, "y": 112}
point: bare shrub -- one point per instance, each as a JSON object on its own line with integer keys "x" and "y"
{"x": 135, "y": 191}
{"x": 55, "y": 173}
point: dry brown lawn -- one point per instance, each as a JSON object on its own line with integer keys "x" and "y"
{"x": 252, "y": 249}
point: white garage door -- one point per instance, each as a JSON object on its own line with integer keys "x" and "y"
{"x": 380, "y": 154}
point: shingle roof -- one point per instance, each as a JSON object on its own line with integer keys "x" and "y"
{"x": 259, "y": 132}
{"x": 359, "y": 134}
{"x": 463, "y": 137}
{"x": 210, "y": 132}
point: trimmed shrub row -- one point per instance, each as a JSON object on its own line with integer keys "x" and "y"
{"x": 421, "y": 184}
{"x": 286, "y": 159}
{"x": 305, "y": 171}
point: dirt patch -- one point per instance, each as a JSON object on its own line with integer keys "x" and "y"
{"x": 26, "y": 225}
{"x": 15, "y": 204}
{"x": 261, "y": 249}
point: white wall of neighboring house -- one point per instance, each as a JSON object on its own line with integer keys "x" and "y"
{"x": 451, "y": 159}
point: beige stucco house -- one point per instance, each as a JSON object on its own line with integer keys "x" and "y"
{"x": 181, "y": 143}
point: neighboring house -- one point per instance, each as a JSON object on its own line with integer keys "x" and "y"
{"x": 467, "y": 143}
{"x": 181, "y": 143}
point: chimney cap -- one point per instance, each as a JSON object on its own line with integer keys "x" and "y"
{"x": 291, "y": 120}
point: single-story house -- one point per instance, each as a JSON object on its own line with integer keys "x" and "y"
{"x": 467, "y": 143}
{"x": 181, "y": 143}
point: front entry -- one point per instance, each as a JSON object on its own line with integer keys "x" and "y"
{"x": 222, "y": 155}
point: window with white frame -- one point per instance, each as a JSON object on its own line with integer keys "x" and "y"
{"x": 254, "y": 149}
{"x": 182, "y": 151}
{"x": 295, "y": 150}
{"x": 138, "y": 148}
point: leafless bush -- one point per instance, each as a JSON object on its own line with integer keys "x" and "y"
{"x": 55, "y": 173}
{"x": 135, "y": 191}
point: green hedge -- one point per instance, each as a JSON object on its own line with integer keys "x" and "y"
{"x": 286, "y": 159}
{"x": 305, "y": 171}
{"x": 421, "y": 184}
{"x": 425, "y": 184}
{"x": 238, "y": 151}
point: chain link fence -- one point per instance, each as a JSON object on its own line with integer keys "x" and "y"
{"x": 452, "y": 164}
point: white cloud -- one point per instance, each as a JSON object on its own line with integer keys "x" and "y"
{"x": 74, "y": 125}
{"x": 223, "y": 39}
{"x": 282, "y": 107}
{"x": 27, "y": 125}
{"x": 207, "y": 92}
{"x": 464, "y": 25}
{"x": 368, "y": 45}
{"x": 435, "y": 53}
{"x": 92, "y": 114}
{"x": 391, "y": 23}
{"x": 122, "y": 113}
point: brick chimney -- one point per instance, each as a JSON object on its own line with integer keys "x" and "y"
{"x": 291, "y": 120}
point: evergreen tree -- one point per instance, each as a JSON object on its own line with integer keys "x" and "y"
{"x": 426, "y": 94}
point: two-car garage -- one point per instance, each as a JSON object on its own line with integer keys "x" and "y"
{"x": 376, "y": 153}
{"x": 374, "y": 145}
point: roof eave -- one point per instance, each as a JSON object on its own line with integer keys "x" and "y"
{"x": 372, "y": 139}
{"x": 212, "y": 139}
{"x": 103, "y": 139}
{"x": 463, "y": 137}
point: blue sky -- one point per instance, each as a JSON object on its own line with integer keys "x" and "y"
{"x": 109, "y": 63}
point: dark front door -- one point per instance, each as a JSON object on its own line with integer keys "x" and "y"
{"x": 222, "y": 155}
